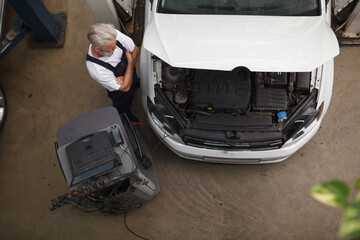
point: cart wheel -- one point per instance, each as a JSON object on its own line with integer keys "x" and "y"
{"x": 2, "y": 107}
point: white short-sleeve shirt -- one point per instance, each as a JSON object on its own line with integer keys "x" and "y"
{"x": 104, "y": 76}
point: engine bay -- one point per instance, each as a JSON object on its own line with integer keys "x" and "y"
{"x": 238, "y": 98}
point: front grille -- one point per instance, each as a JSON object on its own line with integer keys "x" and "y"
{"x": 258, "y": 145}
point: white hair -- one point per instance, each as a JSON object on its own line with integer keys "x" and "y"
{"x": 100, "y": 33}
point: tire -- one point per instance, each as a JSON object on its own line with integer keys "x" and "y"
{"x": 3, "y": 107}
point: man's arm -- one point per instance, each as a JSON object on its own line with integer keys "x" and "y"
{"x": 135, "y": 54}
{"x": 126, "y": 80}
{"x": 128, "y": 43}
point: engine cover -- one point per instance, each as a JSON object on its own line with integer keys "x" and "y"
{"x": 270, "y": 99}
{"x": 222, "y": 90}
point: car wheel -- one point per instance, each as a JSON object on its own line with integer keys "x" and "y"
{"x": 2, "y": 107}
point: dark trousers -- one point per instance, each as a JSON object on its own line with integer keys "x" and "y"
{"x": 122, "y": 100}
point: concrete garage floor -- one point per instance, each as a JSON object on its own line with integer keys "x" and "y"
{"x": 47, "y": 87}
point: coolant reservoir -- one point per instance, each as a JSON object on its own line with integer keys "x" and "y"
{"x": 281, "y": 115}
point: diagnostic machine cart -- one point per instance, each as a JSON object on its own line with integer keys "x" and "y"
{"x": 105, "y": 162}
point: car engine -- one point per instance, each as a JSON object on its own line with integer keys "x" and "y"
{"x": 213, "y": 97}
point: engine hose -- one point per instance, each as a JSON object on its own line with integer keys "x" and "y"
{"x": 199, "y": 112}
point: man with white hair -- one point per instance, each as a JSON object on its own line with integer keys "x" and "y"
{"x": 110, "y": 61}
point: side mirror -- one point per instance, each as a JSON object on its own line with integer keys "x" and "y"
{"x": 151, "y": 1}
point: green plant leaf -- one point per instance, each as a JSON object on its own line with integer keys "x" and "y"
{"x": 333, "y": 193}
{"x": 350, "y": 224}
{"x": 357, "y": 184}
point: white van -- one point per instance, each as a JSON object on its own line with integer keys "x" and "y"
{"x": 235, "y": 81}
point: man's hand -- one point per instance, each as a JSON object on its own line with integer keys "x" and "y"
{"x": 120, "y": 80}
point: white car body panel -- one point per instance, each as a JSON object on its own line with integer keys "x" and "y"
{"x": 276, "y": 44}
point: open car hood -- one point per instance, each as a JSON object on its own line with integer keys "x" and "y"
{"x": 217, "y": 42}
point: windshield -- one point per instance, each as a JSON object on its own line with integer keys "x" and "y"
{"x": 242, "y": 7}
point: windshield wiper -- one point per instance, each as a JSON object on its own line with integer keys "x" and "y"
{"x": 313, "y": 12}
{"x": 171, "y": 11}
{"x": 216, "y": 7}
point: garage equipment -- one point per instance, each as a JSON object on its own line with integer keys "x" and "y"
{"x": 47, "y": 30}
{"x": 105, "y": 162}
{"x": 347, "y": 21}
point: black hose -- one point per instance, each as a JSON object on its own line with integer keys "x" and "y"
{"x": 136, "y": 139}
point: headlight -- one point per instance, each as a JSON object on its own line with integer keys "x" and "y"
{"x": 304, "y": 118}
{"x": 163, "y": 121}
